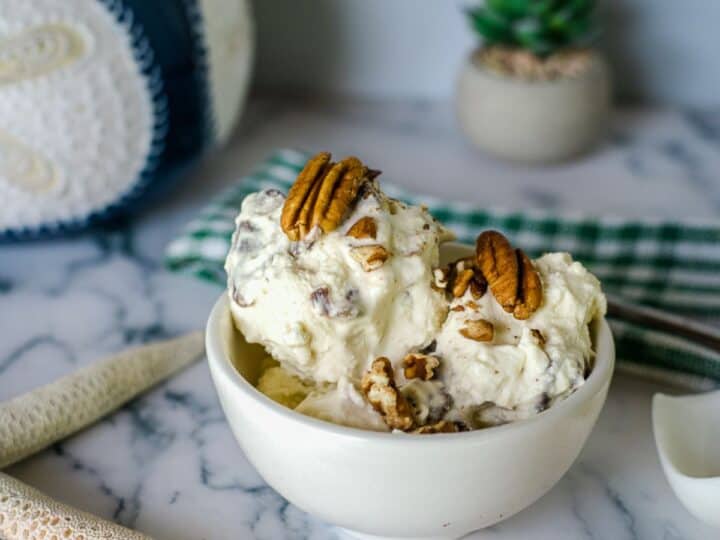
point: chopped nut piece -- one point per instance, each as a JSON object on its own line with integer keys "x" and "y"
{"x": 461, "y": 282}
{"x": 459, "y": 307}
{"x": 478, "y": 286}
{"x": 370, "y": 257}
{"x": 429, "y": 348}
{"x": 420, "y": 366}
{"x": 323, "y": 305}
{"x": 465, "y": 263}
{"x": 443, "y": 426}
{"x": 471, "y": 305}
{"x": 320, "y": 299}
{"x": 537, "y": 334}
{"x": 365, "y": 227}
{"x": 478, "y": 330}
{"x": 378, "y": 385}
{"x": 428, "y": 400}
{"x": 394, "y": 205}
{"x": 512, "y": 278}
{"x": 322, "y": 195}
{"x": 461, "y": 275}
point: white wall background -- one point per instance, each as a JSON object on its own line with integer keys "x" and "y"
{"x": 665, "y": 51}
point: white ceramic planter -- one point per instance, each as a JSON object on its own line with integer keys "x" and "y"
{"x": 533, "y": 121}
{"x": 400, "y": 485}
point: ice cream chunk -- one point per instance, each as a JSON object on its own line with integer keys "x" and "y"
{"x": 339, "y": 403}
{"x": 342, "y": 404}
{"x": 282, "y": 386}
{"x": 527, "y": 364}
{"x": 326, "y": 306}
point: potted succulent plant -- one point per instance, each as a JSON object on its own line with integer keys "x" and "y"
{"x": 534, "y": 91}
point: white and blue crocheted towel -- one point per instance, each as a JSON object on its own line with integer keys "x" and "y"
{"x": 104, "y": 102}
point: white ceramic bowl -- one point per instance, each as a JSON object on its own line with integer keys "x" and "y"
{"x": 687, "y": 436}
{"x": 398, "y": 485}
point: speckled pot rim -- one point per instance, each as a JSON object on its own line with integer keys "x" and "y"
{"x": 598, "y": 66}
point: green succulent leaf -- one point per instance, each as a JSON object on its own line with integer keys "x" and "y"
{"x": 510, "y": 8}
{"x": 541, "y": 26}
{"x": 493, "y": 27}
{"x": 530, "y": 34}
{"x": 541, "y": 8}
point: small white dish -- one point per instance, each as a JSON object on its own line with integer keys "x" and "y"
{"x": 386, "y": 485}
{"x": 687, "y": 436}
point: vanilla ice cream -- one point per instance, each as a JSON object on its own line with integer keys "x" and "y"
{"x": 316, "y": 306}
{"x": 343, "y": 288}
{"x": 528, "y": 363}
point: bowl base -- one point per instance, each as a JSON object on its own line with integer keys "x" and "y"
{"x": 348, "y": 533}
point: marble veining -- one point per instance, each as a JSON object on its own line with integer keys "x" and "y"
{"x": 167, "y": 463}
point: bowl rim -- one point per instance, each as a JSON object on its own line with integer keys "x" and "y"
{"x": 662, "y": 432}
{"x": 221, "y": 365}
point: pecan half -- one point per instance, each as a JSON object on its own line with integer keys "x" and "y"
{"x": 478, "y": 330}
{"x": 322, "y": 194}
{"x": 512, "y": 278}
{"x": 299, "y": 196}
{"x": 365, "y": 227}
{"x": 370, "y": 257}
{"x": 321, "y": 301}
{"x": 478, "y": 286}
{"x": 378, "y": 385}
{"x": 420, "y": 366}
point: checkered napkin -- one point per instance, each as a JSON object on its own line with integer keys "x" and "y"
{"x": 670, "y": 265}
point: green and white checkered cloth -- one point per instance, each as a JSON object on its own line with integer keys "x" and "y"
{"x": 670, "y": 265}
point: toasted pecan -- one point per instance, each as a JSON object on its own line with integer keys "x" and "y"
{"x": 322, "y": 195}
{"x": 370, "y": 257}
{"x": 462, "y": 282}
{"x": 510, "y": 273}
{"x": 498, "y": 262}
{"x": 478, "y": 330}
{"x": 365, "y": 227}
{"x": 478, "y": 286}
{"x": 378, "y": 386}
{"x": 460, "y": 276}
{"x": 298, "y": 195}
{"x": 420, "y": 366}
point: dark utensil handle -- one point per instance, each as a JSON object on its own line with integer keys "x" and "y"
{"x": 666, "y": 322}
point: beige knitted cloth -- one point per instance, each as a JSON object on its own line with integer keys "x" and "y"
{"x": 33, "y": 421}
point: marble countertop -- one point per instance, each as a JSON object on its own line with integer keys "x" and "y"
{"x": 167, "y": 463}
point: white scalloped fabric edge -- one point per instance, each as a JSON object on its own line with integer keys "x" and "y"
{"x": 76, "y": 116}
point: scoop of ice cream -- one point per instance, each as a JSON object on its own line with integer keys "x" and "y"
{"x": 326, "y": 306}
{"x": 527, "y": 364}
